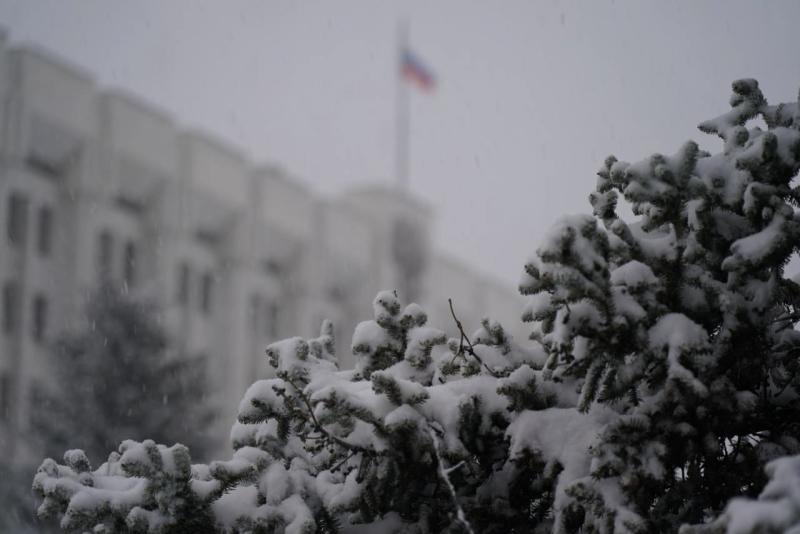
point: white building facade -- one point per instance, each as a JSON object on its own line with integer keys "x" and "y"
{"x": 98, "y": 185}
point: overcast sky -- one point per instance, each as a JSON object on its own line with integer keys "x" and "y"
{"x": 531, "y": 96}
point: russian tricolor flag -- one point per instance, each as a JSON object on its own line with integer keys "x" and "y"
{"x": 415, "y": 71}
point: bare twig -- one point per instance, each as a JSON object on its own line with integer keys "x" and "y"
{"x": 469, "y": 348}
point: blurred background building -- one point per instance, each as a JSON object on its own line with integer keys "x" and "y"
{"x": 97, "y": 185}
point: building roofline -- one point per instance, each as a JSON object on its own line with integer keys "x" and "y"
{"x": 139, "y": 104}
{"x": 56, "y": 61}
{"x": 216, "y": 143}
{"x": 386, "y": 189}
{"x": 279, "y": 173}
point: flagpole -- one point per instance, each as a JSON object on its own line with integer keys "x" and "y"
{"x": 402, "y": 112}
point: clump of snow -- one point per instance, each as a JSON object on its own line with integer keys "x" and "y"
{"x": 678, "y": 335}
{"x": 560, "y": 435}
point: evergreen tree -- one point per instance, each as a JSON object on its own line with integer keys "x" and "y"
{"x": 19, "y": 505}
{"x": 662, "y": 379}
{"x": 690, "y": 336}
{"x": 118, "y": 377}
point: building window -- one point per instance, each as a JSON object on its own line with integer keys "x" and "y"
{"x": 184, "y": 283}
{"x": 5, "y": 396}
{"x": 271, "y": 319}
{"x": 45, "y": 239}
{"x": 206, "y": 293}
{"x": 129, "y": 267}
{"x": 17, "y": 219}
{"x": 253, "y": 312}
{"x": 39, "y": 323}
{"x": 105, "y": 253}
{"x": 10, "y": 307}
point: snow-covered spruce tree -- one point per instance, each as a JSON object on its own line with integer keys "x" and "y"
{"x": 117, "y": 377}
{"x": 662, "y": 378}
{"x": 411, "y": 440}
{"x": 682, "y": 324}
{"x": 19, "y": 507}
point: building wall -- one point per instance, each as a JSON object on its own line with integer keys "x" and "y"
{"x": 235, "y": 255}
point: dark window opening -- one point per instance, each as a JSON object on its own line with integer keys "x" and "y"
{"x": 184, "y": 283}
{"x": 39, "y": 324}
{"x": 17, "y": 219}
{"x": 45, "y": 239}
{"x": 206, "y": 293}
{"x": 271, "y": 319}
{"x": 105, "y": 253}
{"x": 5, "y": 396}
{"x": 10, "y": 307}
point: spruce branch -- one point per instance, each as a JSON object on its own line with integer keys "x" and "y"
{"x": 317, "y": 425}
{"x": 340, "y": 464}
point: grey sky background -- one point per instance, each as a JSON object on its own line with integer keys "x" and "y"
{"x": 531, "y": 96}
